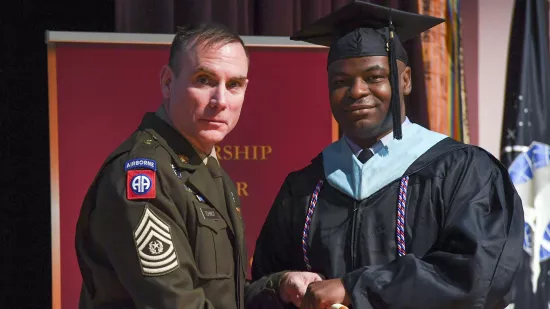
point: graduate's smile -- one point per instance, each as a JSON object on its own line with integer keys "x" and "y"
{"x": 360, "y": 111}
{"x": 360, "y": 107}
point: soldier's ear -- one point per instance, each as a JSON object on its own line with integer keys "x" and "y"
{"x": 166, "y": 79}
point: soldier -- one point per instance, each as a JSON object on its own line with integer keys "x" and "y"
{"x": 160, "y": 226}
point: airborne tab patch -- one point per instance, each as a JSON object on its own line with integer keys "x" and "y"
{"x": 154, "y": 245}
{"x": 140, "y": 163}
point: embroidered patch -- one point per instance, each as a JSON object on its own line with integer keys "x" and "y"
{"x": 140, "y": 163}
{"x": 154, "y": 245}
{"x": 210, "y": 214}
{"x": 140, "y": 184}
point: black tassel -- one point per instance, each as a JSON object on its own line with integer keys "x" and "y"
{"x": 395, "y": 103}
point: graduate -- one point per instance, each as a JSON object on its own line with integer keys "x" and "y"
{"x": 392, "y": 215}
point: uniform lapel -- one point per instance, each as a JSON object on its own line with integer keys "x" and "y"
{"x": 234, "y": 211}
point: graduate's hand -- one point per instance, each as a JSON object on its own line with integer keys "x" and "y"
{"x": 293, "y": 285}
{"x": 324, "y": 294}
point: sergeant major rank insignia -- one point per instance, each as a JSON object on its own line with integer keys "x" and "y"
{"x": 140, "y": 178}
{"x": 154, "y": 245}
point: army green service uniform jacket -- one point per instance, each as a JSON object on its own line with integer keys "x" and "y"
{"x": 156, "y": 232}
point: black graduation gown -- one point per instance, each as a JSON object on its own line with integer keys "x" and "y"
{"x": 463, "y": 231}
{"x": 524, "y": 298}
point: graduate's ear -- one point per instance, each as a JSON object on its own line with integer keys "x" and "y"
{"x": 406, "y": 80}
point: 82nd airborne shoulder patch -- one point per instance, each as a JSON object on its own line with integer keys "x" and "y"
{"x": 154, "y": 245}
{"x": 140, "y": 178}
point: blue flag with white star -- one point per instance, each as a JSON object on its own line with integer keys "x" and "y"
{"x": 527, "y": 97}
{"x": 525, "y": 147}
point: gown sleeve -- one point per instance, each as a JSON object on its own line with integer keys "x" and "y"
{"x": 476, "y": 255}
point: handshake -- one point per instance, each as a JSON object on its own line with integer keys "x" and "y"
{"x": 307, "y": 290}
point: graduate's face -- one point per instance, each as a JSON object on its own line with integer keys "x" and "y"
{"x": 360, "y": 95}
{"x": 205, "y": 98}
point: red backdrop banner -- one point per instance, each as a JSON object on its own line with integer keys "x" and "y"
{"x": 100, "y": 91}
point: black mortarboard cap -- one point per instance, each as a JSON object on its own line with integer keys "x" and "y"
{"x": 362, "y": 29}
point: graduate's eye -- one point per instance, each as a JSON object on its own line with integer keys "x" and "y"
{"x": 376, "y": 78}
{"x": 338, "y": 82}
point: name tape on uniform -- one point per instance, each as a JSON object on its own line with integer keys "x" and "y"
{"x": 209, "y": 214}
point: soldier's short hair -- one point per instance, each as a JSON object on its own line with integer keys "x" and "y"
{"x": 205, "y": 35}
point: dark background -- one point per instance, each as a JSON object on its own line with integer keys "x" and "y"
{"x": 25, "y": 251}
{"x": 25, "y": 256}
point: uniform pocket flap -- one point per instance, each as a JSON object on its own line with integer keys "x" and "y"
{"x": 210, "y": 217}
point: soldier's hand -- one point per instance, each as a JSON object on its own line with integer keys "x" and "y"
{"x": 324, "y": 294}
{"x": 293, "y": 285}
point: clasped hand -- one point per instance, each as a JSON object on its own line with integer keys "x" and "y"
{"x": 307, "y": 290}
